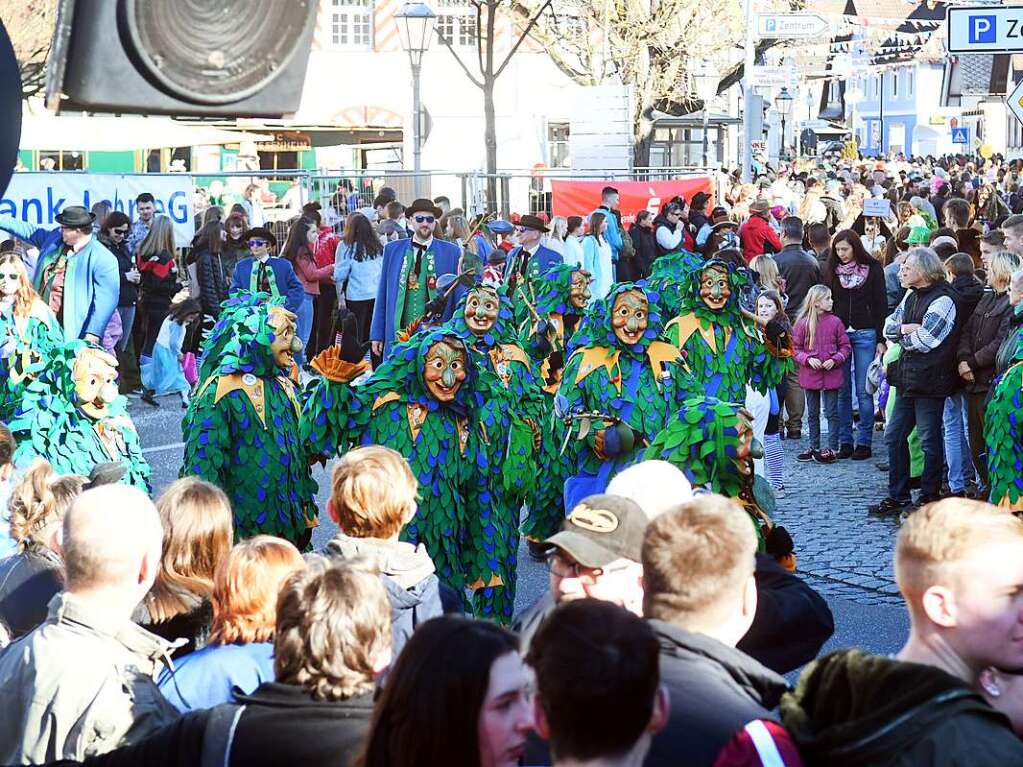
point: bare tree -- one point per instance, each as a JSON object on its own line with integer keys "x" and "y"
{"x": 650, "y": 45}
{"x": 487, "y": 17}
{"x": 30, "y": 24}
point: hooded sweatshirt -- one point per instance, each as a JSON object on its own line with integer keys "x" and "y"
{"x": 851, "y": 709}
{"x": 408, "y": 575}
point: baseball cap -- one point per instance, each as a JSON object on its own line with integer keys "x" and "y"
{"x": 601, "y": 529}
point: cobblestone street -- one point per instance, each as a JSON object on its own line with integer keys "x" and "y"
{"x": 841, "y": 550}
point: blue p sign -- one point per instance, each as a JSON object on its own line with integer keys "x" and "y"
{"x": 983, "y": 29}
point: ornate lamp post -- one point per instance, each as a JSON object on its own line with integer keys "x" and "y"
{"x": 415, "y": 30}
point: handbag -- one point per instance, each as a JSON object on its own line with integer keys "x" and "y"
{"x": 875, "y": 371}
{"x": 189, "y": 368}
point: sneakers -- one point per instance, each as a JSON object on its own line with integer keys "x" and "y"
{"x": 149, "y": 397}
{"x": 923, "y": 499}
{"x": 827, "y": 455}
{"x": 845, "y": 451}
{"x": 889, "y": 507}
{"x": 861, "y": 453}
{"x": 806, "y": 455}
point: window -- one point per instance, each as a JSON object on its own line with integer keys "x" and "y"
{"x": 60, "y": 159}
{"x": 895, "y": 84}
{"x": 910, "y": 75}
{"x": 351, "y": 23}
{"x": 467, "y": 30}
{"x": 446, "y": 28}
{"x": 557, "y": 145}
{"x": 456, "y": 22}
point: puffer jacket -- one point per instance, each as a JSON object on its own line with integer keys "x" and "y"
{"x": 980, "y": 339}
{"x": 214, "y": 280}
{"x": 29, "y": 579}
{"x": 851, "y": 709}
{"x": 79, "y": 685}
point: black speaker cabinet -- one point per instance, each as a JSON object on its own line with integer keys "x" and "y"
{"x": 10, "y": 109}
{"x": 240, "y": 58}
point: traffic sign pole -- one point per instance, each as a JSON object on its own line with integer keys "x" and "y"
{"x": 747, "y": 94}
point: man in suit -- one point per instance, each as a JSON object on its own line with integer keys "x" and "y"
{"x": 264, "y": 273}
{"x": 527, "y": 264}
{"x": 75, "y": 275}
{"x": 409, "y": 277}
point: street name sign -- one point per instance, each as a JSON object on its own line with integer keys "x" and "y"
{"x": 773, "y": 77}
{"x": 984, "y": 29}
{"x": 787, "y": 26}
{"x": 1014, "y": 101}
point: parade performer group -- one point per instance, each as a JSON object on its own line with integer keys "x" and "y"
{"x": 512, "y": 394}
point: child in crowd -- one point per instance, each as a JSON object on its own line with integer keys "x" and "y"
{"x": 7, "y": 447}
{"x": 772, "y": 318}
{"x": 163, "y": 372}
{"x": 822, "y": 347}
{"x": 372, "y": 498}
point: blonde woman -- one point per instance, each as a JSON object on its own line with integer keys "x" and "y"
{"x": 770, "y": 278}
{"x": 240, "y": 652}
{"x": 557, "y": 235}
{"x": 30, "y": 578}
{"x": 27, "y": 325}
{"x": 197, "y": 531}
{"x": 159, "y": 283}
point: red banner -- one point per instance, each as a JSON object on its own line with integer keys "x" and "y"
{"x": 580, "y": 198}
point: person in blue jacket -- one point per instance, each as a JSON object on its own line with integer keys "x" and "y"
{"x": 609, "y": 207}
{"x": 75, "y": 275}
{"x": 527, "y": 265}
{"x": 263, "y": 273}
{"x": 409, "y": 279}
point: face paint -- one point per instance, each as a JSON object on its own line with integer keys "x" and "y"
{"x": 286, "y": 343}
{"x": 95, "y": 377}
{"x": 579, "y": 293}
{"x": 445, "y": 371}
{"x": 629, "y": 317}
{"x": 714, "y": 288}
{"x": 481, "y": 308}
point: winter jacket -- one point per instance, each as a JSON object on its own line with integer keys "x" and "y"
{"x": 800, "y": 271}
{"x": 129, "y": 291}
{"x": 159, "y": 278}
{"x": 715, "y": 690}
{"x": 851, "y": 709}
{"x": 830, "y": 342}
{"x": 362, "y": 275}
{"x": 757, "y": 238}
{"x": 969, "y": 243}
{"x": 980, "y": 339}
{"x": 310, "y": 274}
{"x": 193, "y": 625}
{"x": 864, "y": 307}
{"x": 79, "y": 685}
{"x": 29, "y": 579}
{"x": 1012, "y": 327}
{"x": 213, "y": 281}
{"x": 205, "y": 678}
{"x": 408, "y": 575}
{"x": 644, "y": 242}
{"x": 894, "y": 292}
{"x": 969, "y": 291}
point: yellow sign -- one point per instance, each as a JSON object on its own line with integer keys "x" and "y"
{"x": 937, "y": 120}
{"x": 986, "y": 150}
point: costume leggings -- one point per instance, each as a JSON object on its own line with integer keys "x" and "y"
{"x": 774, "y": 455}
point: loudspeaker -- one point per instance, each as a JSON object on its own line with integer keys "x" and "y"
{"x": 240, "y": 58}
{"x": 10, "y": 109}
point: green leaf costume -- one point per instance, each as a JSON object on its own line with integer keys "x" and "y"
{"x": 668, "y": 277}
{"x": 443, "y": 442}
{"x": 608, "y": 382}
{"x": 242, "y": 428}
{"x": 722, "y": 351}
{"x": 50, "y": 422}
{"x": 513, "y": 411}
{"x": 25, "y": 344}
{"x": 1003, "y": 433}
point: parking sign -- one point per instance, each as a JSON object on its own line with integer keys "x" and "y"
{"x": 984, "y": 29}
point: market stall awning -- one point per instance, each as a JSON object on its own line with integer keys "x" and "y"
{"x": 117, "y": 134}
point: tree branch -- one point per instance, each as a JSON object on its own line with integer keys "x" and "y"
{"x": 472, "y": 78}
{"x": 525, "y": 33}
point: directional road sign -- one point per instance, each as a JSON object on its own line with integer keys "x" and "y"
{"x": 773, "y": 77}
{"x": 786, "y": 26}
{"x": 987, "y": 28}
{"x": 960, "y": 135}
{"x": 1015, "y": 102}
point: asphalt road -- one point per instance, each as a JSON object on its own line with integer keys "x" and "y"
{"x": 842, "y": 552}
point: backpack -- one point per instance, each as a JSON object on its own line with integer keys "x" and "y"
{"x": 761, "y": 743}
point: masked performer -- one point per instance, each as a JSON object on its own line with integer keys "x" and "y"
{"x": 242, "y": 427}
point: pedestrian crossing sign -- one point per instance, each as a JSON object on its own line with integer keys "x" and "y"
{"x": 960, "y": 135}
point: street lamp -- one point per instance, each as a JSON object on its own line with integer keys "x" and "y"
{"x": 707, "y": 89}
{"x": 415, "y": 30}
{"x": 784, "y": 104}
{"x": 853, "y": 96}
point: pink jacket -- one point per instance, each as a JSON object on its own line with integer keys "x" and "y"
{"x": 830, "y": 343}
{"x": 311, "y": 275}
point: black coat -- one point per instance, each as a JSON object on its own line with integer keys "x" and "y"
{"x": 214, "y": 281}
{"x": 800, "y": 271}
{"x": 980, "y": 339}
{"x": 715, "y": 691}
{"x": 129, "y": 291}
{"x": 28, "y": 581}
{"x": 645, "y": 243}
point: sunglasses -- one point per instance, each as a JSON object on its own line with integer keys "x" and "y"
{"x": 256, "y": 243}
{"x": 121, "y": 232}
{"x": 424, "y": 219}
{"x": 9, "y": 275}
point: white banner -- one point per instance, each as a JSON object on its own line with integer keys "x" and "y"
{"x": 38, "y": 197}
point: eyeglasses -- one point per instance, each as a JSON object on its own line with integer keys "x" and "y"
{"x": 256, "y": 243}
{"x": 424, "y": 219}
{"x": 121, "y": 232}
{"x": 563, "y": 567}
{"x": 13, "y": 276}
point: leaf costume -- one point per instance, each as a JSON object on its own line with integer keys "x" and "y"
{"x": 512, "y": 411}
{"x": 25, "y": 344}
{"x": 52, "y": 421}
{"x": 242, "y": 428}
{"x": 1003, "y": 433}
{"x": 443, "y": 442}
{"x": 668, "y": 277}
{"x": 722, "y": 351}
{"x": 548, "y": 353}
{"x": 609, "y": 385}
